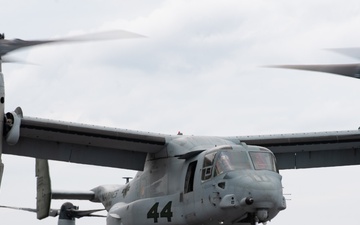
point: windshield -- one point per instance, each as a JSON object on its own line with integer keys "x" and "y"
{"x": 231, "y": 160}
{"x": 263, "y": 161}
{"x": 218, "y": 162}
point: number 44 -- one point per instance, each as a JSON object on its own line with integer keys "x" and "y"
{"x": 165, "y": 212}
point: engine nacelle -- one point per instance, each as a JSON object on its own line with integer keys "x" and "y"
{"x": 12, "y": 126}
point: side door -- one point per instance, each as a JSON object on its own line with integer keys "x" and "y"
{"x": 188, "y": 192}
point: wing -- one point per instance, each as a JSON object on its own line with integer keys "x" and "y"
{"x": 307, "y": 150}
{"x": 78, "y": 143}
{"x": 95, "y": 145}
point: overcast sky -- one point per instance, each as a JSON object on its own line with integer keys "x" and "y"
{"x": 198, "y": 71}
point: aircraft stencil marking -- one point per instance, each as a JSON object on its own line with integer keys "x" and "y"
{"x": 166, "y": 212}
{"x": 125, "y": 190}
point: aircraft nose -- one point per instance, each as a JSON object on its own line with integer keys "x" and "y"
{"x": 264, "y": 190}
{"x": 259, "y": 192}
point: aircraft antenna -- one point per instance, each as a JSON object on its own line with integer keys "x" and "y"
{"x": 127, "y": 179}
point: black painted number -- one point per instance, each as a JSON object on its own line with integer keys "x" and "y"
{"x": 165, "y": 212}
{"x": 153, "y": 212}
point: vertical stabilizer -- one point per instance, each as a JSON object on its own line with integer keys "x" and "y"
{"x": 43, "y": 189}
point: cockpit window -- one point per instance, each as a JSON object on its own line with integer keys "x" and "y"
{"x": 231, "y": 160}
{"x": 207, "y": 166}
{"x": 219, "y": 162}
{"x": 263, "y": 161}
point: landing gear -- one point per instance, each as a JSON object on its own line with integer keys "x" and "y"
{"x": 256, "y": 223}
{"x": 261, "y": 216}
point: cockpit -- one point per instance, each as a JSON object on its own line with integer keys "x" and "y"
{"x": 228, "y": 159}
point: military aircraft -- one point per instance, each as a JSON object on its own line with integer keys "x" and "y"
{"x": 182, "y": 179}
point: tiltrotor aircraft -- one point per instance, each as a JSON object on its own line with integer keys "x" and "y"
{"x": 183, "y": 180}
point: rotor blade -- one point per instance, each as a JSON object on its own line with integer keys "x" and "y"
{"x": 352, "y": 52}
{"x": 7, "y": 46}
{"x": 349, "y": 70}
{"x": 81, "y": 213}
{"x": 7, "y": 59}
{"x": 94, "y": 215}
{"x": 102, "y": 36}
{"x": 18, "y": 208}
{"x": 53, "y": 212}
